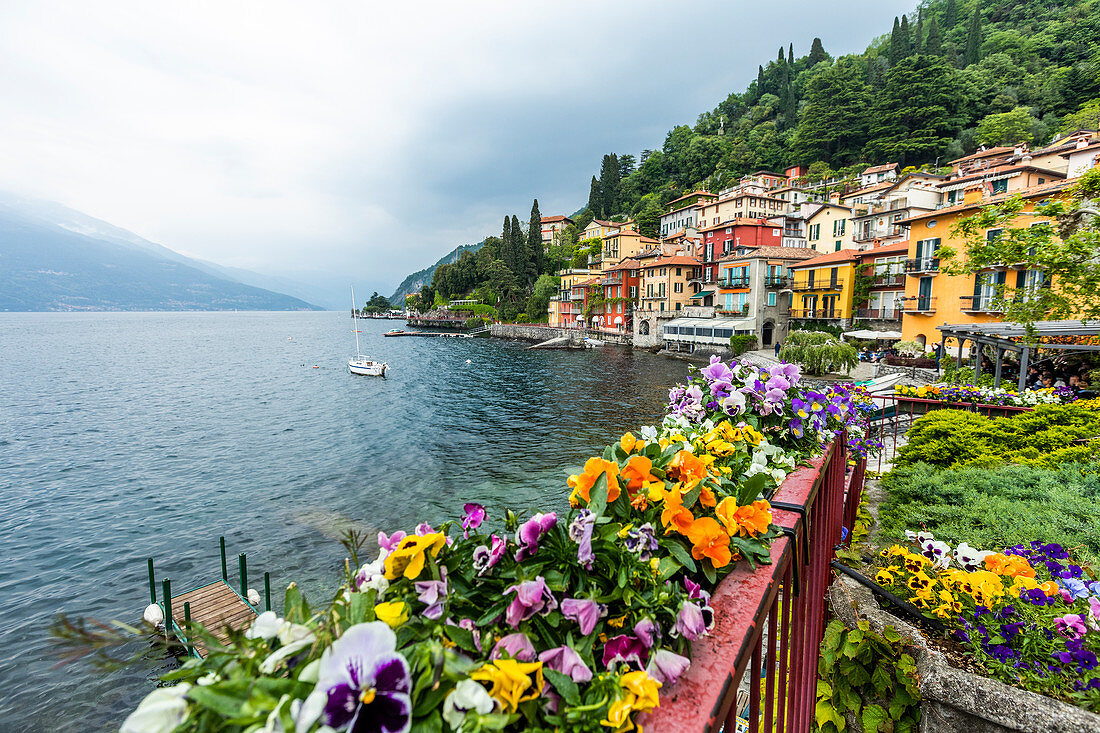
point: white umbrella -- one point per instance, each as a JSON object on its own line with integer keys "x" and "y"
{"x": 618, "y": 320}
{"x": 580, "y": 319}
{"x": 595, "y": 319}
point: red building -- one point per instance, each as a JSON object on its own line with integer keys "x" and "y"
{"x": 620, "y": 285}
{"x": 724, "y": 238}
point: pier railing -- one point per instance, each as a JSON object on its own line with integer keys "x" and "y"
{"x": 758, "y": 668}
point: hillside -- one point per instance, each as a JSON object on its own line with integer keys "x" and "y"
{"x": 420, "y": 278}
{"x": 53, "y": 258}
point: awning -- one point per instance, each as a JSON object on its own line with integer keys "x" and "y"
{"x": 876, "y": 335}
{"x": 702, "y": 294}
{"x": 618, "y": 320}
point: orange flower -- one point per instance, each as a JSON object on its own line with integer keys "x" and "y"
{"x": 674, "y": 516}
{"x": 706, "y": 497}
{"x": 1050, "y": 588}
{"x": 749, "y": 520}
{"x": 583, "y": 483}
{"x": 636, "y": 473}
{"x": 1010, "y": 565}
{"x": 687, "y": 468}
{"x": 627, "y": 442}
{"x": 709, "y": 540}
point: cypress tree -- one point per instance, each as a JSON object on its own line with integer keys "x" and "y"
{"x": 896, "y": 54}
{"x": 760, "y": 81}
{"x": 609, "y": 184}
{"x": 951, "y": 15}
{"x": 906, "y": 41}
{"x": 934, "y": 45}
{"x": 918, "y": 39}
{"x": 535, "y": 255}
{"x": 817, "y": 53}
{"x": 782, "y": 58}
{"x": 519, "y": 247}
{"x": 974, "y": 37}
{"x": 507, "y": 245}
{"x": 595, "y": 197}
{"x": 790, "y": 54}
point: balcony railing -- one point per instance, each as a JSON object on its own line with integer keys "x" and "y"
{"x": 830, "y": 284}
{"x": 889, "y": 280}
{"x": 734, "y": 282}
{"x": 878, "y": 314}
{"x": 776, "y": 281}
{"x": 919, "y": 304}
{"x": 980, "y": 304}
{"x": 742, "y": 311}
{"x": 816, "y": 313}
{"x": 922, "y": 264}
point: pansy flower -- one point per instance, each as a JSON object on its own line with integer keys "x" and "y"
{"x": 593, "y": 468}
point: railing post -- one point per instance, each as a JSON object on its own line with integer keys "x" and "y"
{"x": 166, "y": 590}
{"x": 225, "y": 573}
{"x": 267, "y": 591}
{"x": 242, "y": 564}
{"x": 152, "y": 583}
{"x": 187, "y": 624}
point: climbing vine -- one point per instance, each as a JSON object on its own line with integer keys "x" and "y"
{"x": 869, "y": 676}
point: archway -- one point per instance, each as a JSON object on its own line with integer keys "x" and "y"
{"x": 643, "y": 328}
{"x": 767, "y": 332}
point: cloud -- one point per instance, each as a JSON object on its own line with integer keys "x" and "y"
{"x": 363, "y": 138}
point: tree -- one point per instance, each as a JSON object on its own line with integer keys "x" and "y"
{"x": 918, "y": 37}
{"x": 1065, "y": 254}
{"x": 595, "y": 199}
{"x": 609, "y": 185}
{"x": 951, "y": 15}
{"x": 545, "y": 288}
{"x": 817, "y": 53}
{"x": 626, "y": 165}
{"x": 818, "y": 352}
{"x": 1087, "y": 117}
{"x": 760, "y": 88}
{"x": 507, "y": 244}
{"x": 974, "y": 37}
{"x": 906, "y": 40}
{"x": 1007, "y": 128}
{"x": 649, "y": 219}
{"x": 916, "y": 114}
{"x": 934, "y": 45}
{"x": 377, "y": 304}
{"x": 535, "y": 254}
{"x": 897, "y": 45}
{"x": 834, "y": 120}
{"x": 519, "y": 247}
{"x": 790, "y": 54}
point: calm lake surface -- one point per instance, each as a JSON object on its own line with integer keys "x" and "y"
{"x": 125, "y": 436}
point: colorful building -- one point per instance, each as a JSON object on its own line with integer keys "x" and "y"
{"x": 598, "y": 228}
{"x": 618, "y": 246}
{"x": 722, "y": 239}
{"x": 822, "y": 287}
{"x": 566, "y": 307}
{"x": 885, "y": 265}
{"x": 621, "y": 284}
{"x": 552, "y": 226}
{"x": 755, "y": 284}
{"x": 667, "y": 282}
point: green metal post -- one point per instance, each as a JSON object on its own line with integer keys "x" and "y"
{"x": 267, "y": 591}
{"x": 243, "y": 565}
{"x": 187, "y": 624}
{"x": 225, "y": 573}
{"x": 166, "y": 589}
{"x": 152, "y": 583}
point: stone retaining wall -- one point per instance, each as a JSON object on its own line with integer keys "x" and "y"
{"x": 525, "y": 333}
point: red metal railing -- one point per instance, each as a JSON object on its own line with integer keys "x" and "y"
{"x": 769, "y": 622}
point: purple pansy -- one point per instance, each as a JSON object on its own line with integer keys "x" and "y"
{"x": 474, "y": 516}
{"x": 517, "y": 645}
{"x": 433, "y": 593}
{"x": 647, "y": 632}
{"x": 390, "y": 543}
{"x": 625, "y": 648}
{"x": 362, "y": 684}
{"x": 667, "y": 666}
{"x": 565, "y": 660}
{"x": 529, "y": 533}
{"x": 584, "y": 611}
{"x": 532, "y": 596}
{"x": 642, "y": 541}
{"x": 1071, "y": 625}
{"x": 690, "y": 622}
{"x": 580, "y": 531}
{"x": 486, "y": 557}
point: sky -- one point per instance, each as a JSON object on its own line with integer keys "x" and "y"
{"x": 337, "y": 141}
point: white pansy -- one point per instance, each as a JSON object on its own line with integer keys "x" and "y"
{"x": 467, "y": 696}
{"x": 649, "y": 433}
{"x": 969, "y": 558}
{"x": 266, "y": 626}
{"x": 272, "y": 662}
{"x": 160, "y": 712}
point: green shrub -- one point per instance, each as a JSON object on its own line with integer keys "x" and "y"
{"x": 741, "y": 343}
{"x": 818, "y": 352}
{"x": 996, "y": 508}
{"x": 1045, "y": 437}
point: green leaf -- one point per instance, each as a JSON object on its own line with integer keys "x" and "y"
{"x": 682, "y": 554}
{"x": 708, "y": 570}
{"x": 463, "y": 638}
{"x": 692, "y": 496}
{"x": 891, "y": 635}
{"x": 223, "y": 704}
{"x": 597, "y": 496}
{"x": 295, "y": 608}
{"x": 667, "y": 567}
{"x": 825, "y": 713}
{"x": 751, "y": 488}
{"x": 881, "y": 678}
{"x": 874, "y": 716}
{"x": 565, "y": 686}
{"x": 432, "y": 723}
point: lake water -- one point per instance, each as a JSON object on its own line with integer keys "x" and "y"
{"x": 125, "y": 436}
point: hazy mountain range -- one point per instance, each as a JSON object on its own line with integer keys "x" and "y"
{"x": 53, "y": 258}
{"x": 420, "y": 278}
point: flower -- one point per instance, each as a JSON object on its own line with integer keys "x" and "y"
{"x": 642, "y": 541}
{"x": 467, "y": 696}
{"x": 690, "y": 622}
{"x": 517, "y": 645}
{"x": 968, "y": 558}
{"x": 159, "y": 712}
{"x": 938, "y": 552}
{"x": 532, "y": 596}
{"x": 593, "y": 469}
{"x": 511, "y": 680}
{"x": 584, "y": 611}
{"x": 407, "y": 559}
{"x": 580, "y": 531}
{"x": 625, "y": 648}
{"x": 749, "y": 520}
{"x": 666, "y": 666}
{"x": 687, "y": 468}
{"x": 529, "y": 533}
{"x": 734, "y": 403}
{"x": 1071, "y": 625}
{"x": 627, "y": 442}
{"x": 362, "y": 683}
{"x": 474, "y": 516}
{"x": 637, "y": 474}
{"x": 648, "y": 632}
{"x": 565, "y": 660}
{"x": 432, "y": 593}
{"x": 674, "y": 516}
{"x": 394, "y": 613}
{"x": 266, "y": 626}
{"x": 710, "y": 541}
{"x": 638, "y": 693}
{"x": 485, "y": 558}
{"x": 390, "y": 543}
{"x": 373, "y": 576}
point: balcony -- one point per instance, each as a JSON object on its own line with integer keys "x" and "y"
{"x": 820, "y": 314}
{"x": 776, "y": 281}
{"x": 831, "y": 284}
{"x": 734, "y": 282}
{"x": 918, "y": 304}
{"x": 878, "y": 314}
{"x": 922, "y": 264}
{"x": 888, "y": 280}
{"x": 742, "y": 311}
{"x": 980, "y": 304}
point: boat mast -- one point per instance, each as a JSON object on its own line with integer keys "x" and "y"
{"x": 355, "y": 322}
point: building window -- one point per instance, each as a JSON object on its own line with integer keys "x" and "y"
{"x": 1000, "y": 186}
{"x": 677, "y": 287}
{"x": 837, "y": 247}
{"x": 771, "y": 298}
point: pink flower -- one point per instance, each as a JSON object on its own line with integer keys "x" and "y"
{"x": 475, "y": 515}
{"x": 529, "y": 533}
{"x": 585, "y": 612}
{"x": 1094, "y": 612}
{"x": 532, "y": 596}
{"x": 647, "y": 632}
{"x": 690, "y": 622}
{"x": 623, "y": 648}
{"x": 517, "y": 645}
{"x": 666, "y": 667}
{"x": 1071, "y": 625}
{"x": 389, "y": 544}
{"x": 485, "y": 558}
{"x": 433, "y": 593}
{"x": 565, "y": 660}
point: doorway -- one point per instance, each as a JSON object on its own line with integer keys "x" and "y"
{"x": 766, "y": 333}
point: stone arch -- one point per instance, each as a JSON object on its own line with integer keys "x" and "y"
{"x": 767, "y": 332}
{"x": 643, "y": 327}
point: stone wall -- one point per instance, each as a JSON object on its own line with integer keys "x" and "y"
{"x": 525, "y": 333}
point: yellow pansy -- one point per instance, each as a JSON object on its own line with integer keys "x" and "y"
{"x": 511, "y": 680}
{"x": 627, "y": 442}
{"x": 639, "y": 693}
{"x": 408, "y": 558}
{"x": 394, "y": 613}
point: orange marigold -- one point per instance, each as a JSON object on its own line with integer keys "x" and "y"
{"x": 583, "y": 483}
{"x": 709, "y": 540}
{"x": 750, "y": 520}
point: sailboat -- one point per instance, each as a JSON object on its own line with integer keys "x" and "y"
{"x": 361, "y": 364}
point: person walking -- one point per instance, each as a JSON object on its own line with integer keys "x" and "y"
{"x": 778, "y": 346}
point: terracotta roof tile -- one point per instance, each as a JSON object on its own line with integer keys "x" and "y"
{"x": 844, "y": 255}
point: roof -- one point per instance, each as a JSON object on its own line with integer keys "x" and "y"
{"x": 551, "y": 219}
{"x": 996, "y": 170}
{"x": 844, "y": 255}
{"x": 1012, "y": 335}
{"x": 1052, "y": 187}
{"x": 885, "y": 249}
{"x": 824, "y": 205}
{"x": 738, "y": 221}
{"x": 1090, "y": 146}
{"x": 693, "y": 193}
{"x": 628, "y": 264}
{"x": 880, "y": 168}
{"x": 868, "y": 189}
{"x": 674, "y": 260}
{"x": 768, "y": 173}
{"x": 712, "y": 322}
{"x": 989, "y": 153}
{"x": 603, "y": 223}
{"x": 772, "y": 253}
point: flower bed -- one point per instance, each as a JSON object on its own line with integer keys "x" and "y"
{"x": 982, "y": 397}
{"x": 1028, "y": 616}
{"x": 540, "y": 622}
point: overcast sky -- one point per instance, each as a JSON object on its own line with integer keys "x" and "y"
{"x": 363, "y": 140}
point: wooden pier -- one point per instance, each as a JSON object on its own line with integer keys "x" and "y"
{"x": 217, "y": 607}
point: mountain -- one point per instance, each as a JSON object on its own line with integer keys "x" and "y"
{"x": 420, "y": 278}
{"x": 54, "y": 258}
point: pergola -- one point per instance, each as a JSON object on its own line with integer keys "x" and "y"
{"x": 1004, "y": 337}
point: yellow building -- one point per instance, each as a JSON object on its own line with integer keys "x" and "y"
{"x": 822, "y": 287}
{"x": 619, "y": 245}
{"x": 829, "y": 229}
{"x": 932, "y": 298}
{"x": 564, "y": 308}
{"x": 597, "y": 228}
{"x": 666, "y": 282}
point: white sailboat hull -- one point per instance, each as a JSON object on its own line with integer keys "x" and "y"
{"x": 367, "y": 368}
